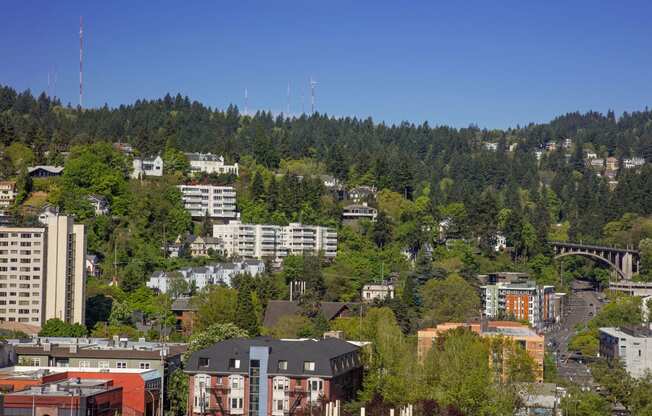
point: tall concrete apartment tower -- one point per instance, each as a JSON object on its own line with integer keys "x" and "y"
{"x": 66, "y": 271}
{"x": 22, "y": 274}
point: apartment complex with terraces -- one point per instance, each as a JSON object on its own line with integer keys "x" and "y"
{"x": 215, "y": 201}
{"x": 274, "y": 241}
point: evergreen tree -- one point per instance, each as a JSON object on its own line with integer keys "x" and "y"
{"x": 246, "y": 317}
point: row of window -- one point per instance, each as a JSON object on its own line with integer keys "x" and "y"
{"x": 22, "y": 235}
{"x": 144, "y": 365}
{"x": 282, "y": 365}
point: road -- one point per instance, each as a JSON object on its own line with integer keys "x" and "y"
{"x": 583, "y": 303}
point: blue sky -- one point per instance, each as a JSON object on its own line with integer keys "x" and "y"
{"x": 494, "y": 64}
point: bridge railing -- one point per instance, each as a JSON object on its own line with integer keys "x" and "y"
{"x": 592, "y": 246}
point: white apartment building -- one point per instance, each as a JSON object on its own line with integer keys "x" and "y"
{"x": 633, "y": 162}
{"x": 211, "y": 274}
{"x": 22, "y": 274}
{"x": 216, "y": 201}
{"x": 631, "y": 345}
{"x": 42, "y": 272}
{"x": 147, "y": 167}
{"x": 274, "y": 241}
{"x": 210, "y": 163}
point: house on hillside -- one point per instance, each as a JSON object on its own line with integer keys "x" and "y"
{"x": 277, "y": 309}
{"x": 147, "y": 167}
{"x": 356, "y": 212}
{"x": 99, "y": 203}
{"x": 45, "y": 171}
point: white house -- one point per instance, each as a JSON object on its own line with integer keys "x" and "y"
{"x": 501, "y": 242}
{"x": 355, "y": 212}
{"x": 100, "y": 204}
{"x": 147, "y": 167}
{"x": 210, "y": 163}
{"x": 380, "y": 291}
{"x": 493, "y": 146}
{"x": 48, "y": 211}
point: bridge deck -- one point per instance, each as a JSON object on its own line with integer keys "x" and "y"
{"x": 592, "y": 247}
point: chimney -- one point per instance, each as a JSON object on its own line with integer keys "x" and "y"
{"x": 47, "y": 347}
{"x": 73, "y": 348}
{"x": 116, "y": 340}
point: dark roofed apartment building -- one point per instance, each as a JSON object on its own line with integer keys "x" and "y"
{"x": 265, "y": 376}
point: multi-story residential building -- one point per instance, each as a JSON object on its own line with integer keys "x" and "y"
{"x": 631, "y": 345}
{"x": 612, "y": 163}
{"x": 65, "y": 283}
{"x": 7, "y": 194}
{"x": 200, "y": 277}
{"x": 355, "y": 212}
{"x": 214, "y": 201}
{"x": 633, "y": 162}
{"x": 118, "y": 353}
{"x": 273, "y": 241}
{"x": 147, "y": 167}
{"x": 522, "y": 335}
{"x": 525, "y": 301}
{"x": 210, "y": 163}
{"x": 380, "y": 291}
{"x": 22, "y": 274}
{"x": 42, "y": 272}
{"x": 264, "y": 376}
{"x": 567, "y": 143}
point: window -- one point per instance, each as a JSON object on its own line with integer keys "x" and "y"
{"x": 233, "y": 363}
{"x": 203, "y": 361}
{"x": 84, "y": 364}
{"x": 282, "y": 365}
{"x": 103, "y": 364}
{"x": 236, "y": 403}
{"x": 36, "y": 362}
{"x": 121, "y": 364}
{"x": 308, "y": 366}
{"x": 144, "y": 365}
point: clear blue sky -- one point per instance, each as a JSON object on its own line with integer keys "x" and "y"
{"x": 495, "y": 64}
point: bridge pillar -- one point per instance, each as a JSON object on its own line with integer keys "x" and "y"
{"x": 627, "y": 266}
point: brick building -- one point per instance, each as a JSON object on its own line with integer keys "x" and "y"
{"x": 521, "y": 334}
{"x": 94, "y": 397}
{"x": 524, "y": 301}
{"x": 264, "y": 376}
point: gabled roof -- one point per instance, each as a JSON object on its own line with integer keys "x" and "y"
{"x": 276, "y": 309}
{"x": 294, "y": 352}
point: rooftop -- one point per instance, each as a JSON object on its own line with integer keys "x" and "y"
{"x": 628, "y": 331}
{"x": 70, "y": 387}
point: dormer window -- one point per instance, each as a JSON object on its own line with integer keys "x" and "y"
{"x": 203, "y": 361}
{"x": 282, "y": 365}
{"x": 234, "y": 364}
{"x": 308, "y": 366}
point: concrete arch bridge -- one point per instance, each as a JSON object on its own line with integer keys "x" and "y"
{"x": 625, "y": 262}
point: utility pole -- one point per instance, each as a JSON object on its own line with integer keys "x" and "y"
{"x": 313, "y": 83}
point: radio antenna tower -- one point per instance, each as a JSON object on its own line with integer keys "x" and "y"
{"x": 313, "y": 83}
{"x": 246, "y": 102}
{"x": 81, "y": 61}
{"x": 288, "y": 106}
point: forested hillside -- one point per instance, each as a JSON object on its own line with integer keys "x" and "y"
{"x": 404, "y": 158}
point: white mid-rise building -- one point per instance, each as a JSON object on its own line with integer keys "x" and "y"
{"x": 42, "y": 272}
{"x": 632, "y": 346}
{"x": 210, "y": 163}
{"x": 274, "y": 241}
{"x": 633, "y": 162}
{"x": 214, "y": 201}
